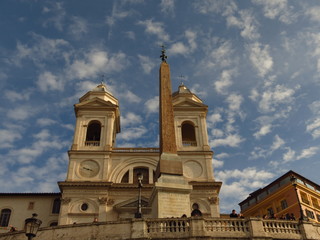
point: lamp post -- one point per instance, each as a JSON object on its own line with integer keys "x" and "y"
{"x": 31, "y": 226}
{"x": 294, "y": 183}
{"x": 139, "y": 212}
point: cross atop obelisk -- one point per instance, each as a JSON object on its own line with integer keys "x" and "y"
{"x": 169, "y": 162}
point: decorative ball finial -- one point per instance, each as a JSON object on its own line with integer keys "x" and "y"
{"x": 163, "y": 54}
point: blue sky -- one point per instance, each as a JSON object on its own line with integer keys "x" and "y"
{"x": 256, "y": 64}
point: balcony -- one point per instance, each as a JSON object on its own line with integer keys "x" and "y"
{"x": 92, "y": 143}
{"x": 189, "y": 143}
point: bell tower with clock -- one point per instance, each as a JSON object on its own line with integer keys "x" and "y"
{"x": 98, "y": 121}
{"x": 88, "y": 175}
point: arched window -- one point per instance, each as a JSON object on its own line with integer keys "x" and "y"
{"x": 188, "y": 134}
{"x": 195, "y": 210}
{"x": 93, "y": 134}
{"x": 125, "y": 178}
{"x": 56, "y": 206}
{"x": 5, "y": 217}
{"x": 145, "y": 173}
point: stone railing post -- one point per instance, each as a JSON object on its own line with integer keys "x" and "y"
{"x": 309, "y": 230}
{"x": 138, "y": 228}
{"x": 256, "y": 228}
{"x": 197, "y": 227}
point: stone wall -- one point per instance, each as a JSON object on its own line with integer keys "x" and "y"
{"x": 178, "y": 228}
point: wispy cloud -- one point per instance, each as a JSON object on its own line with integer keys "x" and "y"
{"x": 167, "y": 7}
{"x": 152, "y": 105}
{"x": 264, "y": 130}
{"x": 230, "y": 141}
{"x": 147, "y": 63}
{"x": 260, "y": 58}
{"x": 155, "y": 28}
{"x": 277, "y": 9}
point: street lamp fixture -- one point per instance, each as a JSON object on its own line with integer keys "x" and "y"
{"x": 294, "y": 182}
{"x": 139, "y": 212}
{"x": 31, "y": 226}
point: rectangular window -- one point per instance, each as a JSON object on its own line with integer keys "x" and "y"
{"x": 309, "y": 214}
{"x": 270, "y": 211}
{"x": 31, "y": 206}
{"x": 318, "y": 217}
{"x": 56, "y": 206}
{"x": 304, "y": 197}
{"x": 284, "y": 204}
{"x": 315, "y": 203}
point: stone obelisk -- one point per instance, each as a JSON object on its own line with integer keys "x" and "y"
{"x": 171, "y": 193}
{"x": 169, "y": 162}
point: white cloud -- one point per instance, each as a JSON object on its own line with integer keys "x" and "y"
{"x": 130, "y": 119}
{"x": 214, "y": 118}
{"x": 18, "y": 96}
{"x": 129, "y": 134}
{"x": 152, "y": 105}
{"x": 8, "y": 137}
{"x": 233, "y": 140}
{"x": 258, "y": 152}
{"x": 199, "y": 90}
{"x": 95, "y": 62}
{"x": 308, "y": 152}
{"x": 43, "y": 49}
{"x": 314, "y": 13}
{"x": 130, "y": 35}
{"x": 254, "y": 95}
{"x": 314, "y": 128}
{"x": 234, "y": 100}
{"x": 264, "y": 130}
{"x": 47, "y": 81}
{"x": 183, "y": 49}
{"x": 217, "y": 133}
{"x": 43, "y": 135}
{"x": 315, "y": 107}
{"x": 226, "y": 7}
{"x": 20, "y": 113}
{"x": 224, "y": 82}
{"x": 155, "y": 28}
{"x": 79, "y": 27}
{"x": 289, "y": 155}
{"x": 222, "y": 155}
{"x": 277, "y": 143}
{"x": 167, "y": 7}
{"x": 217, "y": 163}
{"x": 57, "y": 13}
{"x": 272, "y": 98}
{"x": 250, "y": 173}
{"x": 146, "y": 63}
{"x": 260, "y": 58}
{"x": 131, "y": 97}
{"x": 247, "y": 23}
{"x": 277, "y": 9}
{"x": 43, "y": 122}
{"x": 237, "y": 184}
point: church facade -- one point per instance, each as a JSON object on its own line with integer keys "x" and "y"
{"x": 102, "y": 183}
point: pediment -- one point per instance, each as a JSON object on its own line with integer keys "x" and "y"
{"x": 95, "y": 102}
{"x": 187, "y": 103}
{"x": 132, "y": 203}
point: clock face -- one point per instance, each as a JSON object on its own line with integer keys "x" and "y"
{"x": 89, "y": 168}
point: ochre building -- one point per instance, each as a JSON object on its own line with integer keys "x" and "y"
{"x": 289, "y": 194}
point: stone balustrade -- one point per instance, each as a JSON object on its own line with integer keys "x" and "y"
{"x": 181, "y": 228}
